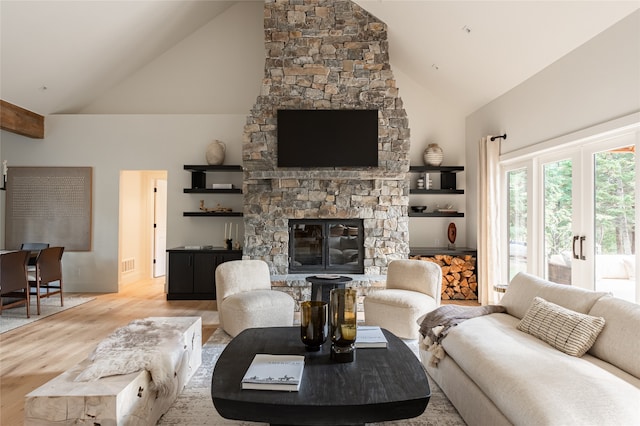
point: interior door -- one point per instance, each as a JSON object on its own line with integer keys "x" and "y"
{"x": 160, "y": 229}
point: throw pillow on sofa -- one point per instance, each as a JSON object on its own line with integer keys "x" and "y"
{"x": 568, "y": 331}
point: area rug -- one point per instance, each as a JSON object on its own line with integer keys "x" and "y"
{"x": 194, "y": 406}
{"x": 17, "y": 317}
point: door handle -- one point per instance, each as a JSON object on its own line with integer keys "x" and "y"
{"x": 575, "y": 254}
{"x": 582, "y": 256}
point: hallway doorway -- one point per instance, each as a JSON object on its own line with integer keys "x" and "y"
{"x": 142, "y": 225}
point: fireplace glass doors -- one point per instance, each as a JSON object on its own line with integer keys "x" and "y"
{"x": 326, "y": 245}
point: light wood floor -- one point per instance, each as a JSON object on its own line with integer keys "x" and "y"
{"x": 36, "y": 353}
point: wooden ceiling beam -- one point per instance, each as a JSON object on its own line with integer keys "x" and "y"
{"x": 21, "y": 121}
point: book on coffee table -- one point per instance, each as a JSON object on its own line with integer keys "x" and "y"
{"x": 370, "y": 337}
{"x": 274, "y": 372}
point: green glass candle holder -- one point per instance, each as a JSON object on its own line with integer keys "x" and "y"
{"x": 314, "y": 327}
{"x": 344, "y": 315}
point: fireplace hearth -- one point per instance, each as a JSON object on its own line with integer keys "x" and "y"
{"x": 326, "y": 245}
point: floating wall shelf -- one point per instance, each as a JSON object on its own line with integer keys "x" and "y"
{"x": 199, "y": 186}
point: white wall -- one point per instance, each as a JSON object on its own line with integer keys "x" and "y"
{"x": 111, "y": 143}
{"x": 216, "y": 70}
{"x": 432, "y": 120}
{"x": 596, "y": 83}
{"x": 200, "y": 90}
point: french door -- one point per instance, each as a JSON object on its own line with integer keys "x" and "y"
{"x": 571, "y": 215}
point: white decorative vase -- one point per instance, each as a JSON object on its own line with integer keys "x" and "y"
{"x": 215, "y": 153}
{"x": 433, "y": 155}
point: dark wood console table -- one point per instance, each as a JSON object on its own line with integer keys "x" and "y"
{"x": 192, "y": 271}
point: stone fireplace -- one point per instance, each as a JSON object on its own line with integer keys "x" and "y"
{"x": 325, "y": 54}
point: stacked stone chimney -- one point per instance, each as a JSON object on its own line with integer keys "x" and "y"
{"x": 325, "y": 54}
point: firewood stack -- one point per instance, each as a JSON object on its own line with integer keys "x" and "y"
{"x": 459, "y": 281}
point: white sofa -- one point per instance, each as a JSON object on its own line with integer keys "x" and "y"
{"x": 495, "y": 374}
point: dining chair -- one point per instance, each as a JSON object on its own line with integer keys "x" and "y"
{"x": 13, "y": 279}
{"x": 34, "y": 248}
{"x": 46, "y": 280}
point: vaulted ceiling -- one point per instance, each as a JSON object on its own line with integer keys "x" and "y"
{"x": 467, "y": 52}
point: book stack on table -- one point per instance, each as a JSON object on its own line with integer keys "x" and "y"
{"x": 370, "y": 337}
{"x": 274, "y": 372}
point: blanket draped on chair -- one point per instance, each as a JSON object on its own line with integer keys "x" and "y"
{"x": 435, "y": 325}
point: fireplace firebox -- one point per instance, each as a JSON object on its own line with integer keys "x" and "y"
{"x": 326, "y": 245}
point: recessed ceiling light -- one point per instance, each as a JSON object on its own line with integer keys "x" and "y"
{"x": 466, "y": 29}
{"x": 43, "y": 88}
{"x": 435, "y": 67}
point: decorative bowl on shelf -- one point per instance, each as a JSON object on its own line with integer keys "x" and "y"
{"x": 419, "y": 209}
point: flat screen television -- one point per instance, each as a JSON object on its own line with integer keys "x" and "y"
{"x": 327, "y": 138}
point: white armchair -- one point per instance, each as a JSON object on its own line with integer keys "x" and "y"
{"x": 245, "y": 299}
{"x": 413, "y": 289}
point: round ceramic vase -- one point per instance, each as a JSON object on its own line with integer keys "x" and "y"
{"x": 433, "y": 155}
{"x": 215, "y": 153}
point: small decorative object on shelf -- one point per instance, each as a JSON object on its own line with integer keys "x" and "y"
{"x": 451, "y": 234}
{"x": 221, "y": 186}
{"x": 433, "y": 155}
{"x": 420, "y": 183}
{"x": 447, "y": 209}
{"x": 228, "y": 241}
{"x": 419, "y": 209}
{"x": 215, "y": 153}
{"x": 218, "y": 208}
{"x": 428, "y": 183}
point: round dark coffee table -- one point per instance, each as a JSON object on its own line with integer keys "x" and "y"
{"x": 382, "y": 384}
{"x": 321, "y": 286}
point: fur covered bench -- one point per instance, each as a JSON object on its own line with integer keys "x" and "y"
{"x": 131, "y": 378}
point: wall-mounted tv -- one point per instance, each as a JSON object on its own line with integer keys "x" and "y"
{"x": 327, "y": 138}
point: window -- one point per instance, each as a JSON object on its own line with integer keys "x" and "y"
{"x": 518, "y": 220}
{"x": 571, "y": 213}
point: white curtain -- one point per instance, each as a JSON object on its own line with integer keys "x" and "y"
{"x": 488, "y": 219}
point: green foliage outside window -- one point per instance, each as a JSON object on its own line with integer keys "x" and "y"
{"x": 615, "y": 202}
